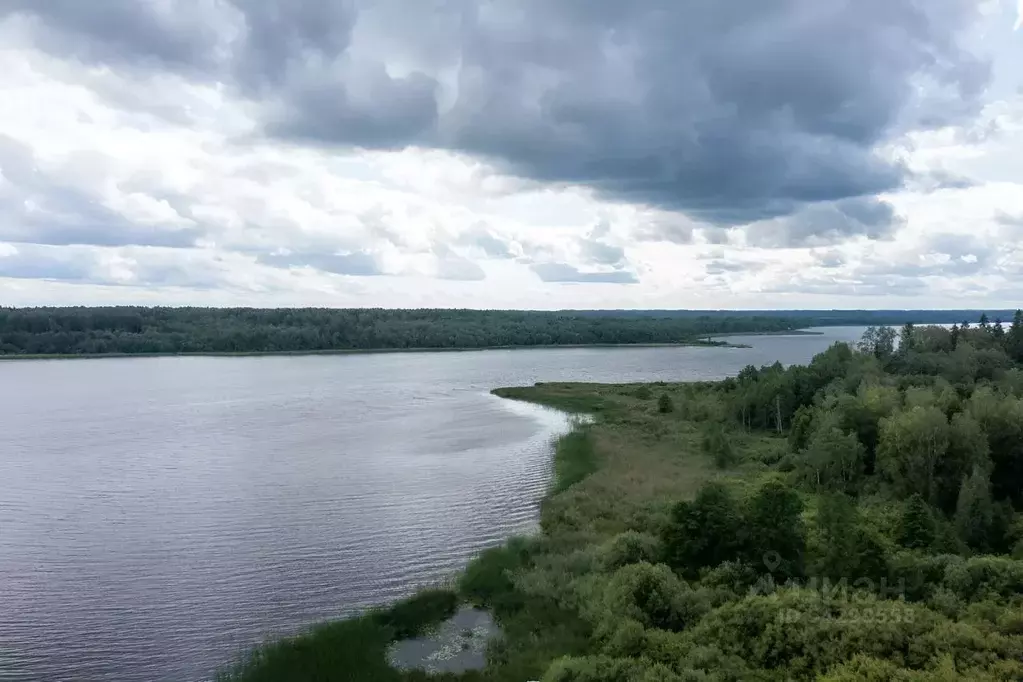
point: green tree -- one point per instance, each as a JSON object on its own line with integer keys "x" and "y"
{"x": 906, "y": 338}
{"x": 834, "y": 460}
{"x": 975, "y": 511}
{"x": 918, "y": 528}
{"x": 802, "y": 428}
{"x": 1014, "y": 339}
{"x": 911, "y": 444}
{"x": 665, "y": 404}
{"x": 776, "y": 532}
{"x": 879, "y": 342}
{"x": 967, "y": 448}
{"x": 705, "y": 532}
{"x": 848, "y": 548}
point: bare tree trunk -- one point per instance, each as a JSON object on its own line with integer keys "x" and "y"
{"x": 777, "y": 406}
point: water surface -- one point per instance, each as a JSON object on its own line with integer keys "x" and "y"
{"x": 159, "y": 515}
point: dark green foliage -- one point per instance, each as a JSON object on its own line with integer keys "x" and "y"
{"x": 975, "y": 511}
{"x": 705, "y": 532}
{"x": 665, "y": 404}
{"x": 643, "y": 393}
{"x": 76, "y": 331}
{"x": 918, "y": 531}
{"x": 775, "y": 534}
{"x": 849, "y": 548}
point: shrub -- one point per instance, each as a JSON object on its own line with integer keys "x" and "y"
{"x": 651, "y": 595}
{"x": 627, "y": 548}
{"x": 716, "y": 444}
{"x": 664, "y": 404}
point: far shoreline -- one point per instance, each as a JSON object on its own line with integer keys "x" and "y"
{"x": 373, "y": 351}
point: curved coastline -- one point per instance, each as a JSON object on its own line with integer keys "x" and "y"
{"x": 362, "y": 646}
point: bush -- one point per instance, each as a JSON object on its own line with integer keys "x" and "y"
{"x": 716, "y": 444}
{"x": 487, "y": 580}
{"x": 664, "y": 404}
{"x": 627, "y": 548}
{"x": 651, "y": 595}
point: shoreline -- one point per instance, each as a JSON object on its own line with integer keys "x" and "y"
{"x": 431, "y": 606}
{"x": 362, "y": 351}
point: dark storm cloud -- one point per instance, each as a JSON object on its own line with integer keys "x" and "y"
{"x": 562, "y": 272}
{"x": 730, "y": 112}
{"x": 181, "y": 35}
{"x": 829, "y": 223}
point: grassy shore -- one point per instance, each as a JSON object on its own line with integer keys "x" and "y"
{"x": 363, "y": 351}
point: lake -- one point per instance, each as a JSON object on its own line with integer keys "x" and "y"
{"x": 158, "y": 516}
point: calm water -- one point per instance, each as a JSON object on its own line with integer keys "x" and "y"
{"x": 159, "y": 515}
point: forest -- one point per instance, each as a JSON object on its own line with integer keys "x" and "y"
{"x": 128, "y": 330}
{"x": 857, "y": 518}
{"x": 140, "y": 330}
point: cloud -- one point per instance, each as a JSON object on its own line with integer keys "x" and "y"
{"x": 487, "y": 242}
{"x": 21, "y": 263}
{"x": 179, "y": 35}
{"x": 459, "y": 269}
{"x": 720, "y": 267}
{"x": 829, "y": 223}
{"x": 562, "y": 272}
{"x": 50, "y": 207}
{"x": 728, "y": 112}
{"x": 357, "y": 264}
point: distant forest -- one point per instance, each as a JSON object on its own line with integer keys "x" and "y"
{"x": 821, "y": 318}
{"x": 138, "y": 330}
{"x": 80, "y": 331}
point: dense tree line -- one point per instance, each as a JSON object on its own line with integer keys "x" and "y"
{"x": 221, "y": 330}
{"x": 831, "y": 318}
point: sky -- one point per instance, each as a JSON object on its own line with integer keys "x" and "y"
{"x": 538, "y": 154}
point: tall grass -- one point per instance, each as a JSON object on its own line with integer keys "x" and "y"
{"x": 575, "y": 458}
{"x": 353, "y": 650}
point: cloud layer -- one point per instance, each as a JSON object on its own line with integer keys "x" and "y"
{"x": 382, "y": 152}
